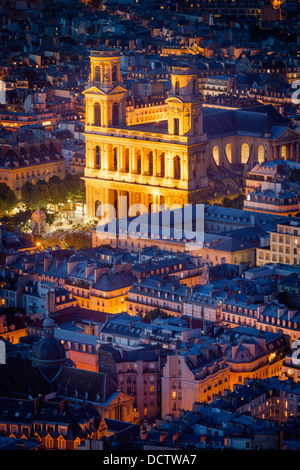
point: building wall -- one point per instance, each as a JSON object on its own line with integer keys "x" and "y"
{"x": 284, "y": 247}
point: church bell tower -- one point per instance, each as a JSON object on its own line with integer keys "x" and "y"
{"x": 185, "y": 104}
{"x": 105, "y": 97}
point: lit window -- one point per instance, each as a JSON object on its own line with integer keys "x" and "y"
{"x": 216, "y": 154}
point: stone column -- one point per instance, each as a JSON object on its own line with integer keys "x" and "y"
{"x": 105, "y": 156}
{"x": 122, "y": 205}
{"x": 133, "y": 160}
{"x": 168, "y": 165}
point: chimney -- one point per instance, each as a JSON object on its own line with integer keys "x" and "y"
{"x": 47, "y": 263}
{"x": 88, "y": 269}
{"x": 291, "y": 314}
{"x": 193, "y": 359}
{"x": 58, "y": 263}
{"x": 62, "y": 405}
{"x": 280, "y": 312}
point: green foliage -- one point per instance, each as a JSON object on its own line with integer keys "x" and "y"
{"x": 8, "y": 199}
{"x": 153, "y": 314}
{"x": 66, "y": 238}
{"x": 55, "y": 192}
{"x": 235, "y": 203}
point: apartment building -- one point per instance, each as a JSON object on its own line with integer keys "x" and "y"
{"x": 253, "y": 354}
{"x": 139, "y": 375}
{"x": 271, "y": 399}
{"x": 284, "y": 245}
{"x": 205, "y": 302}
{"x": 155, "y": 292}
{"x": 272, "y": 198}
{"x": 193, "y": 375}
{"x": 30, "y": 163}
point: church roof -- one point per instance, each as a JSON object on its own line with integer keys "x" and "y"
{"x": 247, "y": 121}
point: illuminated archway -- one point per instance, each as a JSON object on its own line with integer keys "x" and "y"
{"x": 244, "y": 153}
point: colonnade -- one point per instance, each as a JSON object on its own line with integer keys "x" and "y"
{"x": 119, "y": 203}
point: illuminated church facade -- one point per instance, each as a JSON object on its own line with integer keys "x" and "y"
{"x": 192, "y": 153}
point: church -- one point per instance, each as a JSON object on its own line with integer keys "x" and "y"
{"x": 193, "y": 153}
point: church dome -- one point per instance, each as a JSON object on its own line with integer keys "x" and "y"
{"x": 48, "y": 353}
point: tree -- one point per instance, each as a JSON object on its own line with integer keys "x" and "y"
{"x": 153, "y": 314}
{"x": 8, "y": 199}
{"x": 55, "y": 192}
{"x": 235, "y": 203}
{"x": 66, "y": 238}
{"x": 34, "y": 195}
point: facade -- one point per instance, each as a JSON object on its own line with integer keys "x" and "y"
{"x": 271, "y": 399}
{"x": 173, "y": 159}
{"x": 284, "y": 245}
{"x": 205, "y": 303}
{"x": 42, "y": 298}
{"x": 194, "y": 375}
{"x": 219, "y": 235}
{"x": 218, "y": 85}
{"x": 139, "y": 375}
{"x": 134, "y": 158}
{"x": 155, "y": 292}
{"x": 261, "y": 173}
{"x": 272, "y": 198}
{"x": 31, "y": 163}
{"x": 240, "y": 8}
{"x": 253, "y": 354}
{"x": 54, "y": 425}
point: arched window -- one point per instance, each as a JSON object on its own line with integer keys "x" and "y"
{"x": 97, "y": 74}
{"x": 126, "y": 161}
{"x": 97, "y": 158}
{"x": 177, "y": 88}
{"x": 97, "y": 114}
{"x": 216, "y": 154}
{"x": 115, "y": 114}
{"x": 161, "y": 163}
{"x": 138, "y": 162}
{"x": 114, "y": 73}
{"x": 115, "y": 159}
{"x": 228, "y": 150}
{"x": 244, "y": 153}
{"x": 284, "y": 152}
{"x": 177, "y": 168}
{"x": 260, "y": 154}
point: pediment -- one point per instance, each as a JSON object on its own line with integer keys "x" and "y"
{"x": 286, "y": 134}
{"x": 94, "y": 90}
{"x": 174, "y": 100}
{"x": 117, "y": 90}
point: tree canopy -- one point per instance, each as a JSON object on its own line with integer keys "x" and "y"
{"x": 76, "y": 238}
{"x": 56, "y": 191}
{"x": 8, "y": 199}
